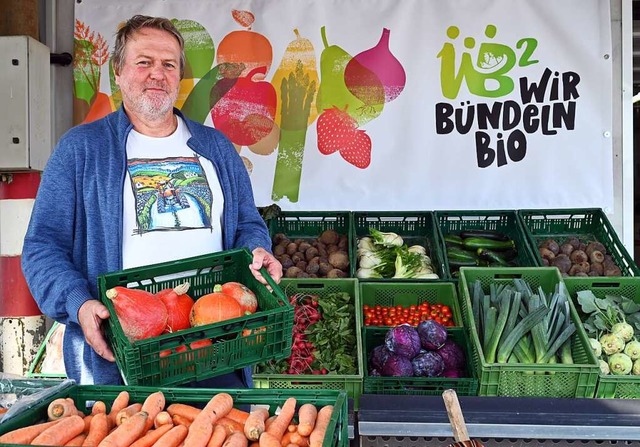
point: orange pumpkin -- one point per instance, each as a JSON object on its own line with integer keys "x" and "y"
{"x": 241, "y": 293}
{"x": 213, "y": 308}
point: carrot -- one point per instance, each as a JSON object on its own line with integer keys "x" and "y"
{"x": 202, "y": 427}
{"x": 87, "y": 422}
{"x": 237, "y": 415}
{"x": 236, "y": 439}
{"x": 299, "y": 440}
{"x": 269, "y": 440}
{"x": 307, "y": 414}
{"x": 77, "y": 441}
{"x": 99, "y": 407}
{"x": 130, "y": 430}
{"x": 218, "y": 436}
{"x": 322, "y": 422}
{"x": 152, "y": 436}
{"x": 181, "y": 420}
{"x": 127, "y": 412}
{"x": 61, "y": 407}
{"x": 98, "y": 429}
{"x": 269, "y": 420}
{"x": 25, "y": 435}
{"x": 153, "y": 404}
{"x": 162, "y": 418}
{"x": 183, "y": 410}
{"x": 254, "y": 425}
{"x": 286, "y": 439}
{"x": 230, "y": 425}
{"x": 61, "y": 433}
{"x": 121, "y": 401}
{"x": 282, "y": 421}
{"x": 173, "y": 437}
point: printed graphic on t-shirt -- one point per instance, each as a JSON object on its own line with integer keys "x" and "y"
{"x": 170, "y": 194}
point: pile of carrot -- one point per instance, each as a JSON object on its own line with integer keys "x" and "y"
{"x": 153, "y": 423}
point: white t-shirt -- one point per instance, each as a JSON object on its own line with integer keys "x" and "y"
{"x": 172, "y": 201}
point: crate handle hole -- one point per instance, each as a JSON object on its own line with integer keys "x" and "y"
{"x": 605, "y": 284}
{"x": 507, "y": 275}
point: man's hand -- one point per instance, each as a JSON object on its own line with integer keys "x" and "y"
{"x": 262, "y": 258}
{"x": 90, "y": 316}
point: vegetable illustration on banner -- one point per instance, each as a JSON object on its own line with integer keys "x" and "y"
{"x": 546, "y": 105}
{"x": 91, "y": 52}
{"x": 342, "y": 92}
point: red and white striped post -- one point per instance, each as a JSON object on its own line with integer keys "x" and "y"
{"x": 22, "y": 325}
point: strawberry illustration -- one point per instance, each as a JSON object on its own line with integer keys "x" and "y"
{"x": 358, "y": 151}
{"x": 335, "y": 128}
{"x": 338, "y": 131}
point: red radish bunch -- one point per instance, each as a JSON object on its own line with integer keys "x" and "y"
{"x": 305, "y": 314}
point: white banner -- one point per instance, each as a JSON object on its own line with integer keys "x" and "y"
{"x": 395, "y": 104}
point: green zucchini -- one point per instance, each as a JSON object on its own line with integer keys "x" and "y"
{"x": 452, "y": 239}
{"x": 486, "y": 234}
{"x": 474, "y": 243}
{"x": 460, "y": 255}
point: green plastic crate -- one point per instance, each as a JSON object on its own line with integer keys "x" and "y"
{"x": 34, "y": 368}
{"x": 610, "y": 386}
{"x": 421, "y": 386}
{"x": 415, "y": 228}
{"x": 589, "y": 224}
{"x": 406, "y": 293}
{"x": 519, "y": 379}
{"x": 352, "y": 384}
{"x": 271, "y": 326}
{"x": 85, "y": 395}
{"x": 310, "y": 224}
{"x": 503, "y": 221}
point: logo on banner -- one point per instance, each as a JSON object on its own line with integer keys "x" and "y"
{"x": 546, "y": 105}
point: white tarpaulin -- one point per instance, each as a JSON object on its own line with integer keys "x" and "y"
{"x": 416, "y": 104}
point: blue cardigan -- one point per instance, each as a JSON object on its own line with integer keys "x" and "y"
{"x": 75, "y": 232}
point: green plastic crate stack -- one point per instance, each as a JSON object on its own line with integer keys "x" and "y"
{"x": 418, "y": 386}
{"x": 610, "y": 386}
{"x": 237, "y": 343}
{"x": 528, "y": 380}
{"x": 588, "y": 224}
{"x": 415, "y": 228}
{"x": 84, "y": 396}
{"x": 351, "y": 383}
{"x": 501, "y": 221}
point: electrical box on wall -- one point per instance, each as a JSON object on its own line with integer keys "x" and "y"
{"x": 25, "y": 105}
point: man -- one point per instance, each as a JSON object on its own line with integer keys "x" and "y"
{"x": 109, "y": 199}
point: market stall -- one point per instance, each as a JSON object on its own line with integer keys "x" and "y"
{"x": 411, "y": 245}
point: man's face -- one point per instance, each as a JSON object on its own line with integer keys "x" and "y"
{"x": 150, "y": 76}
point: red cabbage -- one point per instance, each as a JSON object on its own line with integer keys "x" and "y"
{"x": 453, "y": 373}
{"x": 432, "y": 334}
{"x": 396, "y": 365}
{"x": 452, "y": 355}
{"x": 403, "y": 340}
{"x": 378, "y": 356}
{"x": 429, "y": 364}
